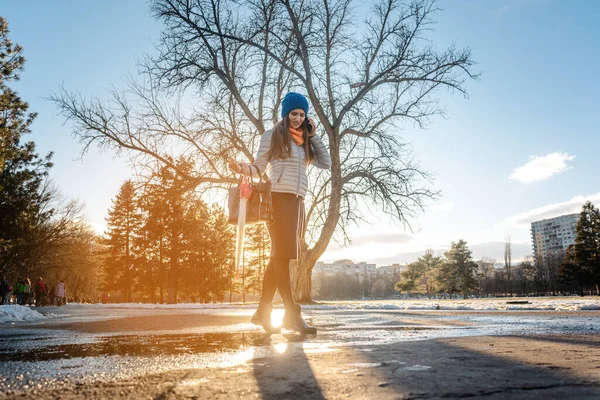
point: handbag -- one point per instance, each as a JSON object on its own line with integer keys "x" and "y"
{"x": 260, "y": 205}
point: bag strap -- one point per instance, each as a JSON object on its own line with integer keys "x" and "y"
{"x": 257, "y": 171}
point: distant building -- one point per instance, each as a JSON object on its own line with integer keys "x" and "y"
{"x": 552, "y": 236}
{"x": 348, "y": 267}
{"x": 392, "y": 271}
{"x": 362, "y": 269}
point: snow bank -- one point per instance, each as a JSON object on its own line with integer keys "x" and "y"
{"x": 533, "y": 304}
{"x": 12, "y": 313}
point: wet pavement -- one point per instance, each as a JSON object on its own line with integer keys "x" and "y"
{"x": 79, "y": 345}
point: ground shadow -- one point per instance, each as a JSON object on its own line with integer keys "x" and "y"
{"x": 282, "y": 370}
{"x": 477, "y": 367}
{"x": 591, "y": 340}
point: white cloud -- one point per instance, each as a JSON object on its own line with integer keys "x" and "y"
{"x": 540, "y": 168}
{"x": 572, "y": 206}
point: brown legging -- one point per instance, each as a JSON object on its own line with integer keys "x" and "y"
{"x": 277, "y": 276}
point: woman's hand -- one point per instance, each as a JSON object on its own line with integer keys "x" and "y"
{"x": 234, "y": 165}
{"x": 313, "y": 130}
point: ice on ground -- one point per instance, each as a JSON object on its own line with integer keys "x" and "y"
{"x": 12, "y": 313}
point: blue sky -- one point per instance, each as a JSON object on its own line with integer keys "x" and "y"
{"x": 523, "y": 146}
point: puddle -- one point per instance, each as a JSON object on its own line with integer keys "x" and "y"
{"x": 390, "y": 328}
{"x": 414, "y": 368}
{"x": 366, "y": 365}
{"x": 142, "y": 346}
{"x": 20, "y": 337}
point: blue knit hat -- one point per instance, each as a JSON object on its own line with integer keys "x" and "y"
{"x": 292, "y": 101}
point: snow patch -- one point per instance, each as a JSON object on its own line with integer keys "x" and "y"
{"x": 12, "y": 313}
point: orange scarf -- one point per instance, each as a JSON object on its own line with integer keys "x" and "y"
{"x": 297, "y": 135}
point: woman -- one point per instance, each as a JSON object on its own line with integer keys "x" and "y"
{"x": 27, "y": 292}
{"x": 39, "y": 290}
{"x": 287, "y": 148}
{"x": 60, "y": 293}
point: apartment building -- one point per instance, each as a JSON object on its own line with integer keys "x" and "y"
{"x": 362, "y": 269}
{"x": 552, "y": 236}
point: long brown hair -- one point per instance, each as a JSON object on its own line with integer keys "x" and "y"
{"x": 281, "y": 140}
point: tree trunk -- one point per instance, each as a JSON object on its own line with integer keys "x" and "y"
{"x": 243, "y": 283}
{"x": 302, "y": 269}
{"x": 302, "y": 280}
{"x": 161, "y": 271}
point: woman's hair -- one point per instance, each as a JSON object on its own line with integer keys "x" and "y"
{"x": 281, "y": 140}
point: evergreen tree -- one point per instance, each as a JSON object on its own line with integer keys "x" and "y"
{"x": 124, "y": 222}
{"x": 409, "y": 279}
{"x": 572, "y": 271}
{"x": 420, "y": 275}
{"x": 195, "y": 248}
{"x": 257, "y": 252}
{"x": 427, "y": 268}
{"x": 458, "y": 271}
{"x": 222, "y": 255}
{"x": 151, "y": 244}
{"x": 587, "y": 242}
{"x": 164, "y": 205}
{"x": 22, "y": 171}
{"x": 174, "y": 189}
{"x": 151, "y": 241}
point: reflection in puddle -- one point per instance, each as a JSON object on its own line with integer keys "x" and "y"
{"x": 281, "y": 347}
{"x": 414, "y": 368}
{"x": 140, "y": 345}
{"x": 366, "y": 365}
{"x": 391, "y": 328}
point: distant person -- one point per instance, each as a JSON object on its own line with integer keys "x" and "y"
{"x": 27, "y": 289}
{"x": 48, "y": 299}
{"x": 39, "y": 290}
{"x": 4, "y": 290}
{"x": 19, "y": 288}
{"x": 60, "y": 293}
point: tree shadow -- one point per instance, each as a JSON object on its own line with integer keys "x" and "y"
{"x": 588, "y": 341}
{"x": 473, "y": 367}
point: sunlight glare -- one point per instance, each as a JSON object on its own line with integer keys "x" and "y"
{"x": 281, "y": 347}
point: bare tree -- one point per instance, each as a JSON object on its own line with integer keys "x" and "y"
{"x": 485, "y": 274}
{"x": 508, "y": 264}
{"x": 363, "y": 78}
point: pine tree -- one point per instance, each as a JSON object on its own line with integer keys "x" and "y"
{"x": 572, "y": 271}
{"x": 197, "y": 270}
{"x": 22, "y": 171}
{"x": 420, "y": 275}
{"x": 458, "y": 271}
{"x": 222, "y": 255}
{"x": 155, "y": 238}
{"x": 257, "y": 250}
{"x": 174, "y": 189}
{"x": 587, "y": 242}
{"x": 124, "y": 222}
{"x": 151, "y": 242}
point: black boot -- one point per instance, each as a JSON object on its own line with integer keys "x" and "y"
{"x": 293, "y": 320}
{"x": 262, "y": 317}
